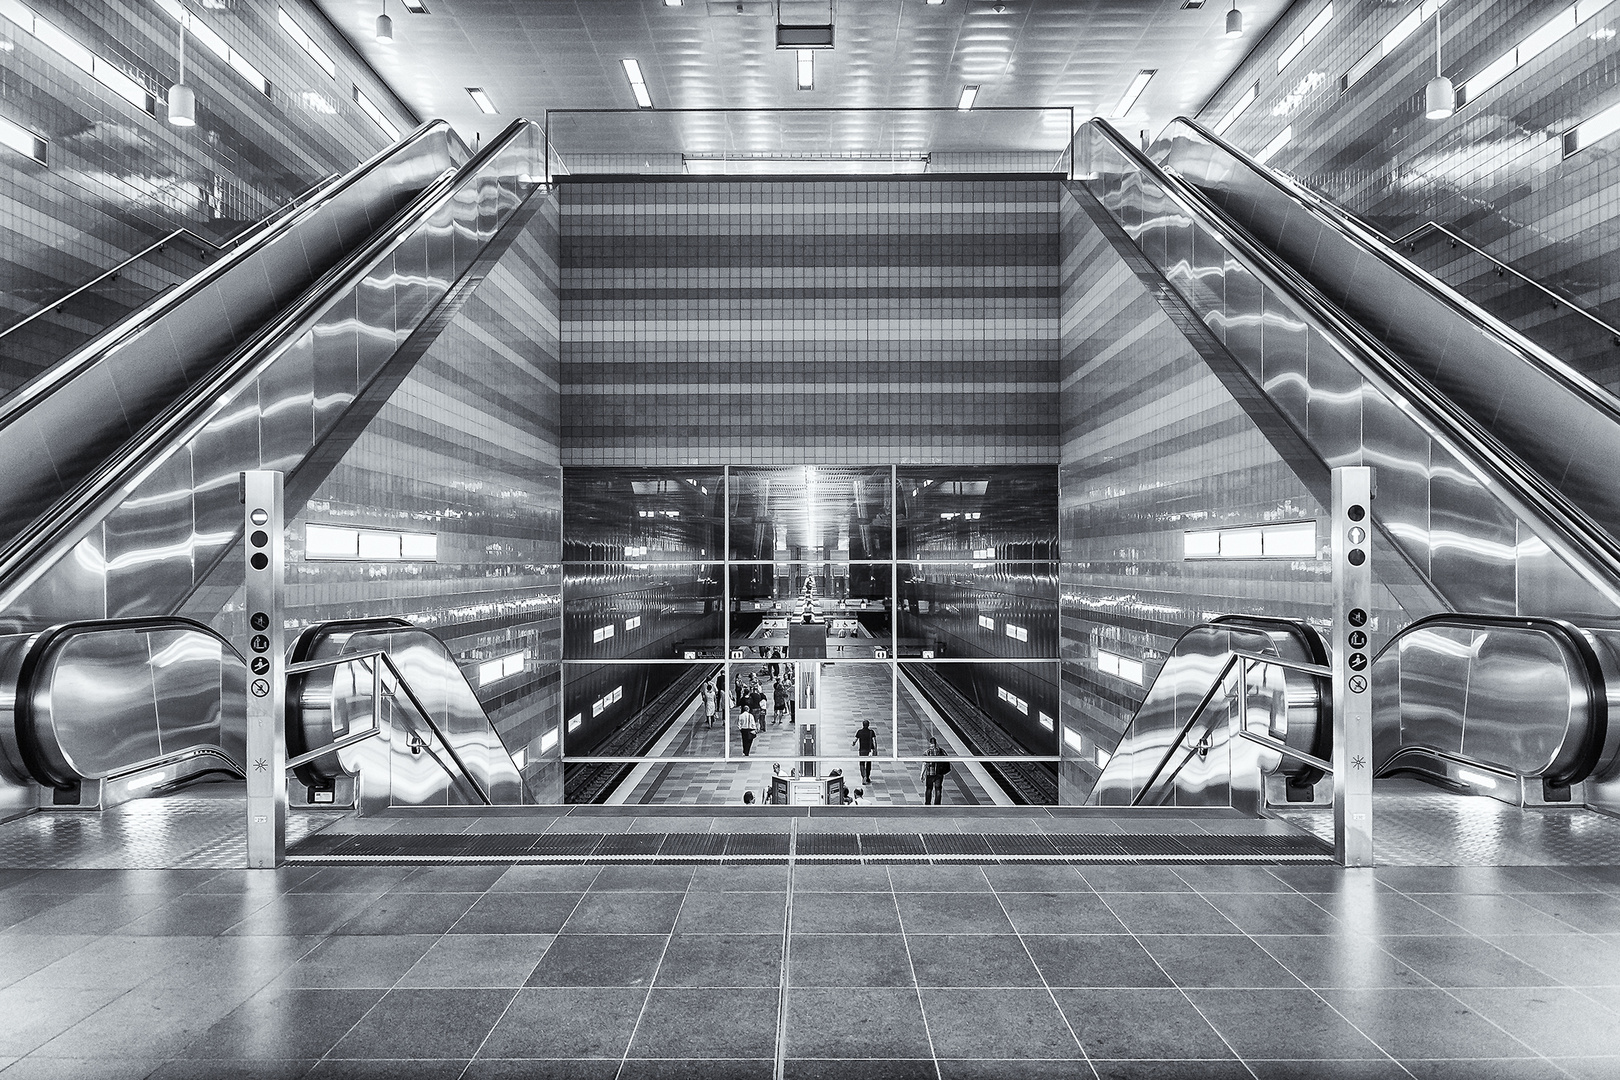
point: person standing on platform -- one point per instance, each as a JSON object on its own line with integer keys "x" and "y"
{"x": 866, "y": 739}
{"x": 747, "y": 728}
{"x": 933, "y": 774}
{"x": 710, "y": 699}
{"x": 781, "y": 702}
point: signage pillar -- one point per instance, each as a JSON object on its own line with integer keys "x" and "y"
{"x": 1352, "y": 666}
{"x": 266, "y": 679}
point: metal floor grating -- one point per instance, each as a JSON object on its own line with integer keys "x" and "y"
{"x": 886, "y": 847}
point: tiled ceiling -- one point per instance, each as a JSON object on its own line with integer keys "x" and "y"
{"x": 565, "y": 54}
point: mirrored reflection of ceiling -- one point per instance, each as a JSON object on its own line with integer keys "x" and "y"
{"x": 531, "y": 55}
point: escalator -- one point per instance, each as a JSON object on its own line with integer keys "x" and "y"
{"x": 123, "y": 492}
{"x": 1502, "y": 538}
{"x": 1508, "y": 385}
{"x": 101, "y": 712}
{"x": 123, "y": 462}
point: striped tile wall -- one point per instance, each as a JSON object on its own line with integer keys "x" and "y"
{"x": 835, "y": 321}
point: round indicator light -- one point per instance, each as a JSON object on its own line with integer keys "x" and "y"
{"x": 259, "y": 517}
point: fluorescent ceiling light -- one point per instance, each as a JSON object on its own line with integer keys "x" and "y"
{"x": 638, "y": 85}
{"x": 307, "y": 43}
{"x": 1386, "y": 45}
{"x": 1236, "y": 110}
{"x": 1297, "y": 46}
{"x": 1275, "y": 145}
{"x": 965, "y": 102}
{"x": 672, "y": 3}
{"x": 216, "y": 44}
{"x": 22, "y": 140}
{"x": 1134, "y": 91}
{"x": 415, "y": 7}
{"x": 936, "y": 3}
{"x": 809, "y": 165}
{"x": 481, "y": 99}
{"x": 807, "y": 70}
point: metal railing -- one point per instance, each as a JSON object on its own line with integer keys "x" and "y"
{"x": 1409, "y": 241}
{"x": 247, "y": 232}
{"x": 375, "y": 663}
{"x": 1243, "y": 662}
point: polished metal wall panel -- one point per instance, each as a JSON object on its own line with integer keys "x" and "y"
{"x": 336, "y": 357}
{"x": 1523, "y": 701}
{"x": 377, "y": 332}
{"x": 1239, "y": 316}
{"x": 186, "y": 686}
{"x": 1334, "y": 410}
{"x": 1434, "y": 667}
{"x": 149, "y": 541}
{"x": 97, "y": 707}
{"x": 287, "y": 407}
{"x": 1400, "y": 452}
{"x": 1473, "y": 541}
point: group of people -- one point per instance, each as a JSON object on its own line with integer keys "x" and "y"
{"x": 770, "y": 686}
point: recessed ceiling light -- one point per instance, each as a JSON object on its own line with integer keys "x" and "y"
{"x": 481, "y": 99}
{"x": 936, "y": 3}
{"x": 965, "y": 102}
{"x": 1134, "y": 91}
{"x": 807, "y": 70}
{"x": 672, "y": 3}
{"x": 415, "y": 7}
{"x": 638, "y": 85}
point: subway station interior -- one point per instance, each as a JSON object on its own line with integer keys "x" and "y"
{"x": 793, "y": 539}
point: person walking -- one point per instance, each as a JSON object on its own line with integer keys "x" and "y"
{"x": 710, "y": 697}
{"x": 781, "y": 701}
{"x": 933, "y": 774}
{"x": 866, "y": 739}
{"x": 748, "y": 728}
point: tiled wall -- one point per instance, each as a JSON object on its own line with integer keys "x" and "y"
{"x": 1154, "y": 445}
{"x": 1493, "y": 172}
{"x": 835, "y": 321}
{"x": 467, "y": 447}
{"x": 119, "y": 178}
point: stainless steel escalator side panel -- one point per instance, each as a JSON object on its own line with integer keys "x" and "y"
{"x": 102, "y": 700}
{"x": 85, "y": 407}
{"x": 407, "y": 764}
{"x": 1523, "y": 696}
{"x": 264, "y": 415}
{"x": 1510, "y": 385}
{"x": 1174, "y": 694}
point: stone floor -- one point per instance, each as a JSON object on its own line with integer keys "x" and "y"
{"x": 847, "y": 972}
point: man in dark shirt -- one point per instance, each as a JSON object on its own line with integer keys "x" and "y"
{"x": 866, "y": 739}
{"x": 934, "y": 774}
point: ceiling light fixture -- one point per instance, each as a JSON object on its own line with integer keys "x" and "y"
{"x": 1439, "y": 97}
{"x": 638, "y": 85}
{"x": 807, "y": 70}
{"x": 1134, "y": 91}
{"x": 482, "y": 100}
{"x": 385, "y": 26}
{"x": 415, "y": 7}
{"x": 673, "y": 3}
{"x": 965, "y": 102}
{"x": 1234, "y": 21}
{"x": 182, "y": 98}
{"x": 936, "y": 3}
{"x": 998, "y": 7}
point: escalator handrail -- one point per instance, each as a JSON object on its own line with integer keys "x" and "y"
{"x": 1589, "y": 548}
{"x": 1573, "y": 638}
{"x": 50, "y": 536}
{"x": 43, "y": 648}
{"x": 66, "y": 369}
{"x": 1377, "y": 245}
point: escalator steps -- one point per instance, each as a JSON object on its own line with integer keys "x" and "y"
{"x": 811, "y": 846}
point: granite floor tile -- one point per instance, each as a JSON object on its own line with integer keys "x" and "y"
{"x": 1215, "y": 961}
{"x": 849, "y": 960}
{"x": 859, "y": 1022}
{"x": 285, "y": 1023}
{"x": 733, "y": 913}
{"x": 1090, "y": 960}
{"x": 624, "y": 912}
{"x": 1060, "y": 913}
{"x": 518, "y": 913}
{"x": 425, "y": 1024}
{"x": 1130, "y": 1023}
{"x": 1464, "y": 961}
{"x": 357, "y": 962}
{"x": 389, "y": 1069}
{"x": 708, "y": 1023}
{"x": 471, "y": 960}
{"x": 1552, "y": 1021}
{"x": 997, "y": 1024}
{"x": 859, "y": 1069}
{"x": 952, "y": 913}
{"x": 1228, "y": 1069}
{"x": 1424, "y": 1023}
{"x": 1159, "y": 913}
{"x": 1339, "y": 960}
{"x": 971, "y": 960}
{"x": 600, "y": 960}
{"x": 1287, "y": 1025}
{"x": 855, "y": 913}
{"x": 567, "y": 879}
{"x": 568, "y": 1023}
{"x": 410, "y": 913}
{"x": 722, "y": 960}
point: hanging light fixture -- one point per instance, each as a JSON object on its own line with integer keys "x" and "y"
{"x": 1234, "y": 21}
{"x": 385, "y": 26}
{"x": 1439, "y": 97}
{"x": 182, "y": 98}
